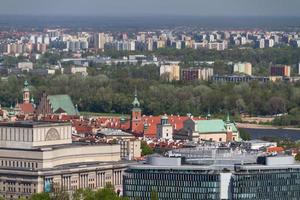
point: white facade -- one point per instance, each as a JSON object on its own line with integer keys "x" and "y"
{"x": 165, "y": 131}
{"x": 30, "y": 137}
{"x": 245, "y": 68}
{"x": 25, "y": 66}
{"x": 34, "y": 156}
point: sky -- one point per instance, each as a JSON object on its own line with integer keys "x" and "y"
{"x": 151, "y": 7}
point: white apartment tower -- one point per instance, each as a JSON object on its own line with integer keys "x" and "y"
{"x": 99, "y": 41}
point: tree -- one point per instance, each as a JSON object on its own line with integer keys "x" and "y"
{"x": 154, "y": 195}
{"x": 244, "y": 135}
{"x": 86, "y": 194}
{"x": 41, "y": 196}
{"x": 297, "y": 157}
{"x": 276, "y": 105}
{"x": 146, "y": 149}
{"x": 58, "y": 193}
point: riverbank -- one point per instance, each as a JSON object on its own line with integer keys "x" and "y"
{"x": 259, "y": 126}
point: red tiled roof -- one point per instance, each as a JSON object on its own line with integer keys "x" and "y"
{"x": 275, "y": 149}
{"x": 153, "y": 121}
{"x": 115, "y": 123}
{"x": 26, "y": 108}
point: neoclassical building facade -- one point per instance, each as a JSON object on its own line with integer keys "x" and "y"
{"x": 40, "y": 156}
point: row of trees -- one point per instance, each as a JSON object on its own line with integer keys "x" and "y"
{"x": 101, "y": 94}
{"x": 106, "y": 193}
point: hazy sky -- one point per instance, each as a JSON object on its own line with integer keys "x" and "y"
{"x": 152, "y": 7}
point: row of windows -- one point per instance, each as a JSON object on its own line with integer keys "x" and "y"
{"x": 266, "y": 189}
{"x": 13, "y": 187}
{"x": 166, "y": 182}
{"x": 173, "y": 175}
{"x": 173, "y": 196}
{"x": 16, "y": 134}
{"x": 167, "y": 189}
{"x": 86, "y": 181}
{"x": 264, "y": 196}
{"x": 18, "y": 164}
{"x": 268, "y": 182}
{"x": 266, "y": 176}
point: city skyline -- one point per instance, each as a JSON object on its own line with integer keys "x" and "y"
{"x": 233, "y": 8}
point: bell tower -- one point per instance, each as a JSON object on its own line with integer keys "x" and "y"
{"x": 26, "y": 93}
{"x": 228, "y": 126}
{"x": 136, "y": 113}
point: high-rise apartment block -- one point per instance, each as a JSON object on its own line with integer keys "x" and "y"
{"x": 99, "y": 41}
{"x": 170, "y": 72}
{"x": 244, "y": 68}
{"x": 191, "y": 74}
{"x": 281, "y": 70}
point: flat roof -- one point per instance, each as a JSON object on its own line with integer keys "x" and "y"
{"x": 181, "y": 167}
{"x": 114, "y": 132}
{"x": 239, "y": 168}
{"x": 32, "y": 124}
{"x": 267, "y": 167}
{"x": 81, "y": 165}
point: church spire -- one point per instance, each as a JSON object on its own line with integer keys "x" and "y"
{"x": 228, "y": 118}
{"x": 135, "y": 103}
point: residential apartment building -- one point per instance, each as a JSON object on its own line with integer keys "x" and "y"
{"x": 243, "y": 68}
{"x": 99, "y": 41}
{"x": 280, "y": 70}
{"x": 170, "y": 72}
{"x": 192, "y": 74}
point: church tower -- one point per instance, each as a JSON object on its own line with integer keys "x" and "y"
{"x": 136, "y": 113}
{"x": 228, "y": 126}
{"x": 26, "y": 93}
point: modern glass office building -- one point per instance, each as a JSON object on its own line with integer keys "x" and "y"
{"x": 171, "y": 184}
{"x": 279, "y": 180}
{"x": 270, "y": 178}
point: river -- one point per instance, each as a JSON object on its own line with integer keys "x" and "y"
{"x": 259, "y": 133}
